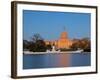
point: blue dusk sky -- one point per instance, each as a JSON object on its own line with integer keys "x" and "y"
{"x": 50, "y": 24}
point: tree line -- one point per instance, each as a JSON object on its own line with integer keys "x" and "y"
{"x": 37, "y": 44}
{"x": 84, "y": 44}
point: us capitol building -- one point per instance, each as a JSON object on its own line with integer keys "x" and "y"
{"x": 62, "y": 42}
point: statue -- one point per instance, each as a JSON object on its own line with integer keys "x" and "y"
{"x": 53, "y": 48}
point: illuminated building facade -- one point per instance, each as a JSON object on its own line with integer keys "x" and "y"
{"x": 62, "y": 42}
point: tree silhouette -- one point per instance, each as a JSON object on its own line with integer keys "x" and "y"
{"x": 36, "y": 37}
{"x": 36, "y": 44}
{"x": 84, "y": 44}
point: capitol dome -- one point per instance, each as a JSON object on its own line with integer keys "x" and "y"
{"x": 63, "y": 35}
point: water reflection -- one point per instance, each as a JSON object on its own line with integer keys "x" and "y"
{"x": 33, "y": 61}
{"x": 63, "y": 60}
